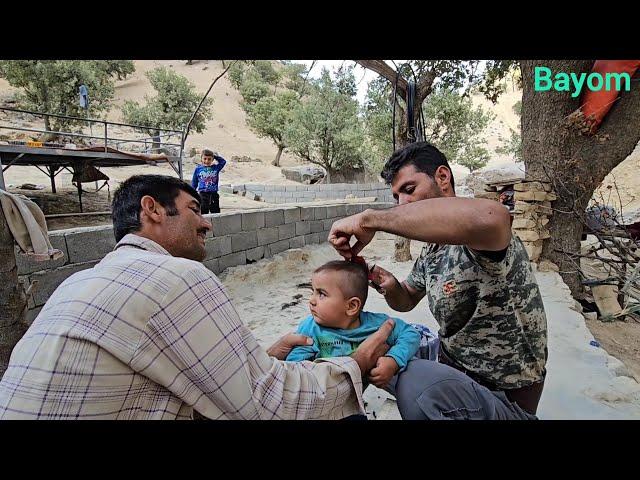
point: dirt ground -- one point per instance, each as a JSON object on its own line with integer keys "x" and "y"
{"x": 620, "y": 339}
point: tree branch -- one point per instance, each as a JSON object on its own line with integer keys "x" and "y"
{"x": 424, "y": 86}
{"x": 384, "y": 70}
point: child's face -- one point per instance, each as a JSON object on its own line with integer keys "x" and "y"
{"x": 207, "y": 160}
{"x": 328, "y": 304}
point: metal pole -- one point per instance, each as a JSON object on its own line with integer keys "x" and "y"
{"x": 180, "y": 173}
{"x": 53, "y": 178}
{"x": 105, "y": 137}
{"x": 2, "y": 185}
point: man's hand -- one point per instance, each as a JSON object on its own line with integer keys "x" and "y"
{"x": 284, "y": 345}
{"x": 385, "y": 280}
{"x": 368, "y": 352}
{"x": 385, "y": 369}
{"x": 342, "y": 230}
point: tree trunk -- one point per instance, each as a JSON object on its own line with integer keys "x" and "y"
{"x": 13, "y": 301}
{"x": 155, "y": 148}
{"x": 555, "y": 151}
{"x": 276, "y": 162}
{"x": 402, "y": 252}
{"x": 47, "y": 125}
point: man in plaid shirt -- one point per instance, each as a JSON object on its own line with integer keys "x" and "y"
{"x": 150, "y": 333}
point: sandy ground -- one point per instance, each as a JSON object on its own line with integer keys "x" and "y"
{"x": 584, "y": 382}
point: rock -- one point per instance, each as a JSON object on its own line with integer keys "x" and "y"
{"x": 244, "y": 159}
{"x": 523, "y": 223}
{"x": 304, "y": 173}
{"x": 547, "y": 266}
{"x": 509, "y": 174}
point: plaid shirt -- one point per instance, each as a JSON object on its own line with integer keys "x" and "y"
{"x": 145, "y": 335}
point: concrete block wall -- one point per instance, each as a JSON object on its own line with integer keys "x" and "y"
{"x": 310, "y": 193}
{"x": 235, "y": 239}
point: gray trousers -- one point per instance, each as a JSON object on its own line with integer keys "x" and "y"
{"x": 428, "y": 390}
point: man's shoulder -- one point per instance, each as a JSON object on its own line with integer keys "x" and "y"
{"x": 168, "y": 267}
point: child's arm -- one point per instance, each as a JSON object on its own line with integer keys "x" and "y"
{"x": 194, "y": 179}
{"x": 221, "y": 162}
{"x": 300, "y": 353}
{"x": 407, "y": 342}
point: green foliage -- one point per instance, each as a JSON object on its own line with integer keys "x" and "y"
{"x": 175, "y": 101}
{"x": 452, "y": 123}
{"x": 512, "y": 146}
{"x": 270, "y": 115}
{"x": 236, "y": 74}
{"x": 456, "y": 127}
{"x": 325, "y": 128}
{"x": 253, "y": 88}
{"x": 52, "y": 86}
{"x": 120, "y": 68}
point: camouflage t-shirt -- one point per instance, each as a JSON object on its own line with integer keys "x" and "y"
{"x": 491, "y": 317}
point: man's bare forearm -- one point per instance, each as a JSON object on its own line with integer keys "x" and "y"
{"x": 478, "y": 223}
{"x": 399, "y": 298}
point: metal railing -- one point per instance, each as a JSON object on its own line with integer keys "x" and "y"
{"x": 115, "y": 141}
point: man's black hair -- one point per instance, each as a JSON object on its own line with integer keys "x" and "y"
{"x": 125, "y": 208}
{"x": 422, "y": 155}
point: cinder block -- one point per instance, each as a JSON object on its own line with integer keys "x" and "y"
{"x": 49, "y": 280}
{"x": 267, "y": 235}
{"x": 286, "y": 231}
{"x": 311, "y": 239}
{"x": 321, "y": 213}
{"x": 296, "y": 242}
{"x": 255, "y": 254}
{"x": 212, "y": 265}
{"x": 87, "y": 244}
{"x": 307, "y": 213}
{"x": 243, "y": 241}
{"x": 235, "y": 259}
{"x": 273, "y": 218}
{"x": 291, "y": 214}
{"x": 226, "y": 224}
{"x": 27, "y": 265}
{"x": 303, "y": 228}
{"x": 217, "y": 247}
{"x": 278, "y": 247}
{"x": 327, "y": 223}
{"x": 332, "y": 211}
{"x": 252, "y": 221}
{"x": 317, "y": 226}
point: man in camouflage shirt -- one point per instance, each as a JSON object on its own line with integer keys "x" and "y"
{"x": 480, "y": 288}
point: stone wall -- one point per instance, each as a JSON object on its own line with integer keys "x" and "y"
{"x": 236, "y": 239}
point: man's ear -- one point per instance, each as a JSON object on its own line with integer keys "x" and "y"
{"x": 353, "y": 306}
{"x": 442, "y": 177}
{"x": 151, "y": 210}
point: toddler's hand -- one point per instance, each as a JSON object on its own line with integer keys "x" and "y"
{"x": 383, "y": 372}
